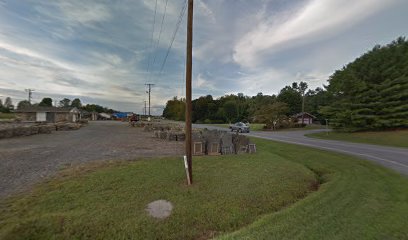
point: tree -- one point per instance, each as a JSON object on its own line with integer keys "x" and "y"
{"x": 292, "y": 97}
{"x": 65, "y": 102}
{"x": 76, "y": 103}
{"x": 302, "y": 89}
{"x": 371, "y": 92}
{"x": 46, "y": 102}
{"x": 1, "y": 103}
{"x": 23, "y": 104}
{"x": 272, "y": 114}
{"x": 175, "y": 109}
{"x": 8, "y": 104}
{"x": 230, "y": 110}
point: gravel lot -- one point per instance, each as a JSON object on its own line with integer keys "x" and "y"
{"x": 24, "y": 161}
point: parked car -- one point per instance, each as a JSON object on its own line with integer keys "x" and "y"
{"x": 239, "y": 127}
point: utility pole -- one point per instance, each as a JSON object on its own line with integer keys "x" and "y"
{"x": 189, "y": 68}
{"x": 30, "y": 93}
{"x": 303, "y": 107}
{"x": 144, "y": 112}
{"x": 149, "y": 91}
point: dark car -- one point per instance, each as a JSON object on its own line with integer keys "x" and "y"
{"x": 240, "y": 127}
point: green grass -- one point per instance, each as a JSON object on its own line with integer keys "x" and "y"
{"x": 109, "y": 202}
{"x": 307, "y": 127}
{"x": 253, "y": 126}
{"x": 7, "y": 116}
{"x": 387, "y": 138}
{"x": 260, "y": 127}
{"x": 233, "y": 197}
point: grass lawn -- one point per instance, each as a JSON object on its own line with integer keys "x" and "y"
{"x": 7, "y": 116}
{"x": 268, "y": 195}
{"x": 253, "y": 126}
{"x": 387, "y": 138}
{"x": 260, "y": 127}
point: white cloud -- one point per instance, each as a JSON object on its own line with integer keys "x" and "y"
{"x": 76, "y": 12}
{"x": 201, "y": 83}
{"x": 317, "y": 20}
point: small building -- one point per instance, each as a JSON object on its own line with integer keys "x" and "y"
{"x": 48, "y": 114}
{"x": 105, "y": 116}
{"x": 307, "y": 118}
{"x": 94, "y": 116}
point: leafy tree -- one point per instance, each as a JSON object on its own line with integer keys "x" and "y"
{"x": 175, "y": 109}
{"x": 65, "y": 102}
{"x": 23, "y": 104}
{"x": 46, "y": 102}
{"x": 97, "y": 108}
{"x": 230, "y": 110}
{"x": 8, "y": 104}
{"x": 76, "y": 103}
{"x": 272, "y": 114}
{"x": 292, "y": 97}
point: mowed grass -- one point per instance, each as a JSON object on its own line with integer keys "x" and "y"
{"x": 260, "y": 127}
{"x": 358, "y": 200}
{"x": 398, "y": 138}
{"x": 233, "y": 197}
{"x": 253, "y": 126}
{"x": 7, "y": 116}
{"x": 109, "y": 202}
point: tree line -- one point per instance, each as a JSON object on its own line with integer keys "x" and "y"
{"x": 8, "y": 106}
{"x": 370, "y": 93}
{"x": 260, "y": 108}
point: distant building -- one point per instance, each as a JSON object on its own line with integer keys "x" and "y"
{"x": 105, "y": 116}
{"x": 48, "y": 114}
{"x": 307, "y": 118}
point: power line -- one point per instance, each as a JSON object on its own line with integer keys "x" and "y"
{"x": 151, "y": 41}
{"x": 180, "y": 19}
{"x": 161, "y": 30}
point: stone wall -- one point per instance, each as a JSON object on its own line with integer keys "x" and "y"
{"x": 62, "y": 117}
{"x": 29, "y": 117}
{"x": 15, "y": 129}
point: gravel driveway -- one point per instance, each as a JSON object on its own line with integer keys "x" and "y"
{"x": 24, "y": 161}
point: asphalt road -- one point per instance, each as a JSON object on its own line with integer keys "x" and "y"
{"x": 390, "y": 157}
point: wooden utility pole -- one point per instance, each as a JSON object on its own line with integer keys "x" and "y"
{"x": 189, "y": 68}
{"x": 144, "y": 110}
{"x": 30, "y": 93}
{"x": 303, "y": 108}
{"x": 149, "y": 91}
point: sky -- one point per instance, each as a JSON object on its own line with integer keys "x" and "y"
{"x": 104, "y": 52}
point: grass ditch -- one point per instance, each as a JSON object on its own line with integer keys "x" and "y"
{"x": 233, "y": 197}
{"x": 108, "y": 201}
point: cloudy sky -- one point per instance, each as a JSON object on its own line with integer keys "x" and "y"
{"x": 105, "y": 51}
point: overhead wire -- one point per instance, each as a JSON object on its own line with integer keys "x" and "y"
{"x": 180, "y": 19}
{"x": 161, "y": 30}
{"x": 151, "y": 41}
